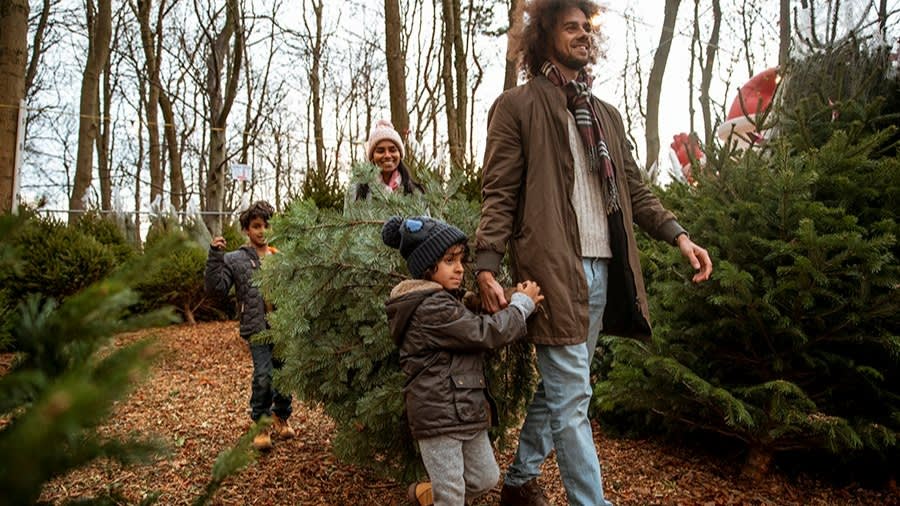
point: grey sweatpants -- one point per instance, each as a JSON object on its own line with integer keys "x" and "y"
{"x": 460, "y": 468}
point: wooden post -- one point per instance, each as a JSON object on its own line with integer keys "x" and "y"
{"x": 19, "y": 159}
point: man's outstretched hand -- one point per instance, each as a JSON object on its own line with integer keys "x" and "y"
{"x": 697, "y": 256}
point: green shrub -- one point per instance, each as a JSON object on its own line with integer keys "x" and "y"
{"x": 793, "y": 345}
{"x": 175, "y": 277}
{"x": 56, "y": 260}
{"x": 68, "y": 377}
{"x": 105, "y": 231}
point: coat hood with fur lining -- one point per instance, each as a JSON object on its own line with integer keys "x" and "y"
{"x": 403, "y": 302}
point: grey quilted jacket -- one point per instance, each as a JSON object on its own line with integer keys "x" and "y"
{"x": 224, "y": 270}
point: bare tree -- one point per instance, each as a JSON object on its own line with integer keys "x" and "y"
{"x": 314, "y": 43}
{"x": 13, "y": 51}
{"x": 511, "y": 72}
{"x": 654, "y": 85}
{"x": 707, "y": 64}
{"x": 784, "y": 34}
{"x": 151, "y": 42}
{"x": 99, "y": 26}
{"x": 38, "y": 43}
{"x": 396, "y": 66}
{"x": 426, "y": 94}
{"x": 454, "y": 76}
{"x": 104, "y": 141}
{"x": 221, "y": 95}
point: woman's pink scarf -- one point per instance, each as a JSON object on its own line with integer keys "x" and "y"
{"x": 394, "y": 182}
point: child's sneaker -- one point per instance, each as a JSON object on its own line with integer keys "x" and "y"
{"x": 262, "y": 441}
{"x": 419, "y": 494}
{"x": 282, "y": 428}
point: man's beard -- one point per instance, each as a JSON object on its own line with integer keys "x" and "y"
{"x": 573, "y": 62}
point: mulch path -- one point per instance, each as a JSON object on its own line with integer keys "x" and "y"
{"x": 196, "y": 401}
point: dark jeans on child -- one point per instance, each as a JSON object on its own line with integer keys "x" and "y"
{"x": 264, "y": 398}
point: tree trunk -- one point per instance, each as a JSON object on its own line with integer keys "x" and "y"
{"x": 178, "y": 196}
{"x": 707, "y": 72}
{"x": 784, "y": 34}
{"x": 37, "y": 45}
{"x": 13, "y": 58}
{"x": 758, "y": 464}
{"x": 104, "y": 141}
{"x": 188, "y": 314}
{"x": 99, "y": 25}
{"x": 511, "y": 75}
{"x": 654, "y": 86}
{"x": 396, "y": 66}
{"x": 452, "y": 48}
{"x": 315, "y": 84}
{"x": 220, "y": 102}
{"x": 462, "y": 83}
{"x": 149, "y": 42}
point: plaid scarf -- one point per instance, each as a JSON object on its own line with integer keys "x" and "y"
{"x": 578, "y": 101}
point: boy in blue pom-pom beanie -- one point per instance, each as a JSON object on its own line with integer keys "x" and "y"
{"x": 442, "y": 345}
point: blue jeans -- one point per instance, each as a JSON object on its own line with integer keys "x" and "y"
{"x": 262, "y": 394}
{"x": 558, "y": 414}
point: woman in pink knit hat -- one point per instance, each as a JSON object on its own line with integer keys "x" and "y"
{"x": 385, "y": 149}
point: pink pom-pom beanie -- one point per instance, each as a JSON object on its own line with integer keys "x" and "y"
{"x": 383, "y": 130}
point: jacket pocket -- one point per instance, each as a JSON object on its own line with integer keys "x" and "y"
{"x": 468, "y": 397}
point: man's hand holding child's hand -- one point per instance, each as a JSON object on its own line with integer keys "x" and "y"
{"x": 532, "y": 290}
{"x": 218, "y": 243}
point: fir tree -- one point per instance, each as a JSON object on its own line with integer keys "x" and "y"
{"x": 329, "y": 285}
{"x": 67, "y": 377}
{"x": 794, "y": 343}
{"x": 61, "y": 388}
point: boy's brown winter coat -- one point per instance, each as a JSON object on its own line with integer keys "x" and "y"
{"x": 442, "y": 348}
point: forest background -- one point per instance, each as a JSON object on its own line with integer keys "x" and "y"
{"x": 133, "y": 102}
{"x": 787, "y": 358}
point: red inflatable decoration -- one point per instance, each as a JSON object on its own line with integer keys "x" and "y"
{"x": 753, "y": 101}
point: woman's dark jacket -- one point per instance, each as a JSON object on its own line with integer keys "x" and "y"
{"x": 442, "y": 347}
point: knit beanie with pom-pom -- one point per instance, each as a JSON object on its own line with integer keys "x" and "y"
{"x": 383, "y": 130}
{"x": 421, "y": 240}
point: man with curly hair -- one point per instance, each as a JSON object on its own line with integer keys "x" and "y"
{"x": 561, "y": 191}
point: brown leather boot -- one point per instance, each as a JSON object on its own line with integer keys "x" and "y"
{"x": 262, "y": 441}
{"x": 282, "y": 428}
{"x": 529, "y": 494}
{"x": 419, "y": 494}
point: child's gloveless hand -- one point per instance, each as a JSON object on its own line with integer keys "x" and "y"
{"x": 532, "y": 290}
{"x": 218, "y": 243}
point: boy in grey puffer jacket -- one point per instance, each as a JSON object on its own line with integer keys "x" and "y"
{"x": 224, "y": 270}
{"x": 442, "y": 345}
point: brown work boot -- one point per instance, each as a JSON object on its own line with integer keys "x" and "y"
{"x": 262, "y": 441}
{"x": 529, "y": 494}
{"x": 419, "y": 494}
{"x": 282, "y": 428}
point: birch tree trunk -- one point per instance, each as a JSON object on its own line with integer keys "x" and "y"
{"x": 13, "y": 57}
{"x": 99, "y": 24}
{"x": 396, "y": 66}
{"x": 654, "y": 86}
{"x": 221, "y": 98}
